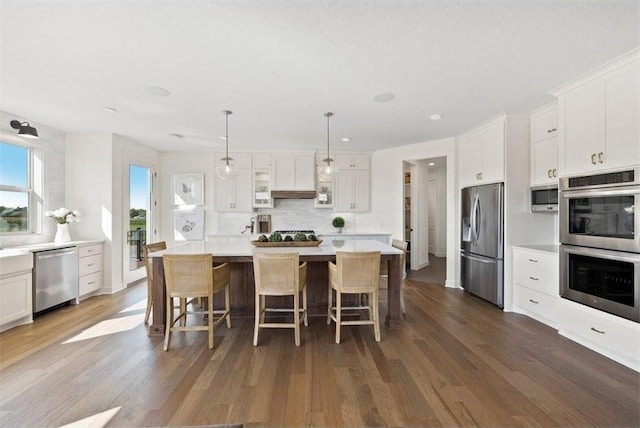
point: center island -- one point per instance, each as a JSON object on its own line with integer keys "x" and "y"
{"x": 238, "y": 252}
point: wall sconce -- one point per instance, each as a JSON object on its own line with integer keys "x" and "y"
{"x": 24, "y": 129}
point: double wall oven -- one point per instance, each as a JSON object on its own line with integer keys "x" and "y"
{"x": 600, "y": 241}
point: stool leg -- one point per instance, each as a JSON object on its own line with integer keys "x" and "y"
{"x": 296, "y": 317}
{"x": 338, "y": 315}
{"x": 257, "y": 320}
{"x": 227, "y": 305}
{"x": 330, "y": 303}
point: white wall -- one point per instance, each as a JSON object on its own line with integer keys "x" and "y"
{"x": 387, "y": 192}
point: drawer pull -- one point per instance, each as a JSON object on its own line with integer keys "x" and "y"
{"x": 534, "y": 301}
{"x": 533, "y": 260}
{"x": 597, "y": 331}
{"x": 533, "y": 278}
{"x": 92, "y": 282}
{"x": 91, "y": 264}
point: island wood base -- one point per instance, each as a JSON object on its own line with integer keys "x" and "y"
{"x": 242, "y": 289}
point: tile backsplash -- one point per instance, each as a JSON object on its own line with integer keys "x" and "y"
{"x": 288, "y": 214}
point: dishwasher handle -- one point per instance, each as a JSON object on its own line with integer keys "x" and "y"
{"x": 49, "y": 256}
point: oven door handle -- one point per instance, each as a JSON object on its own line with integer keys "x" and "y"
{"x": 601, "y": 192}
{"x": 603, "y": 254}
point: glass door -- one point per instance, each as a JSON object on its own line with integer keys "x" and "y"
{"x": 139, "y": 228}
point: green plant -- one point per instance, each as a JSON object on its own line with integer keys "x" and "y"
{"x": 337, "y": 222}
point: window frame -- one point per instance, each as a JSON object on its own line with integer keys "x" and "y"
{"x": 29, "y": 190}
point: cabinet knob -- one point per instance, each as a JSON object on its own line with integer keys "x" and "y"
{"x": 593, "y": 158}
{"x": 600, "y": 157}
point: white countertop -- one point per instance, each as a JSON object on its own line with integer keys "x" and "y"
{"x": 44, "y": 246}
{"x": 243, "y": 247}
{"x": 543, "y": 248}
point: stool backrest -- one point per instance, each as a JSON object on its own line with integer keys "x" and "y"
{"x": 358, "y": 271}
{"x": 188, "y": 275}
{"x": 276, "y": 273}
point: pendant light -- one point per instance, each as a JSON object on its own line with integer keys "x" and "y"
{"x": 328, "y": 168}
{"x": 227, "y": 170}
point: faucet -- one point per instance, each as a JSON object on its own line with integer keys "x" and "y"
{"x": 250, "y": 226}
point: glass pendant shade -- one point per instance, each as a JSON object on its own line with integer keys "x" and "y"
{"x": 327, "y": 169}
{"x": 227, "y": 169}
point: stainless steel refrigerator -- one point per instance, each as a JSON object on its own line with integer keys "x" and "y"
{"x": 481, "y": 249}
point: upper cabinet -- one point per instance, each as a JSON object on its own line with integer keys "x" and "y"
{"x": 293, "y": 171}
{"x": 234, "y": 195}
{"x": 481, "y": 154}
{"x": 325, "y": 189}
{"x": 598, "y": 118}
{"x": 544, "y": 146}
{"x": 262, "y": 180}
{"x": 353, "y": 183}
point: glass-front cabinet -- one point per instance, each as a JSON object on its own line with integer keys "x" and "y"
{"x": 324, "y": 188}
{"x": 262, "y": 189}
{"x": 262, "y": 180}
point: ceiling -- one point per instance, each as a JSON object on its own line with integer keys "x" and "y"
{"x": 280, "y": 65}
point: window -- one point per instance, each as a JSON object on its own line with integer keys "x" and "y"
{"x": 15, "y": 188}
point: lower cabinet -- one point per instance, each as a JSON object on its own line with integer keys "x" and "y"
{"x": 15, "y": 291}
{"x": 609, "y": 335}
{"x": 536, "y": 285}
{"x": 89, "y": 269}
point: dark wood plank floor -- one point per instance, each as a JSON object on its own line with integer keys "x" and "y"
{"x": 457, "y": 361}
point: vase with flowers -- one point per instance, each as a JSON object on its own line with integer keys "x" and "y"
{"x": 62, "y": 217}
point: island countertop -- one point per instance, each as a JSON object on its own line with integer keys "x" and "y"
{"x": 239, "y": 253}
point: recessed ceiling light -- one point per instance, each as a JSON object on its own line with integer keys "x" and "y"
{"x": 431, "y": 164}
{"x": 435, "y": 116}
{"x": 384, "y": 97}
{"x": 157, "y": 91}
{"x": 346, "y": 139}
{"x": 110, "y": 109}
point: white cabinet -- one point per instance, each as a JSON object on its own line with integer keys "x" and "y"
{"x": 353, "y": 183}
{"x": 536, "y": 284}
{"x": 15, "y": 290}
{"x": 614, "y": 337}
{"x": 352, "y": 161}
{"x": 261, "y": 180}
{"x": 89, "y": 269}
{"x": 481, "y": 155}
{"x": 234, "y": 195}
{"x": 544, "y": 146}
{"x": 599, "y": 126}
{"x": 325, "y": 189}
{"x": 294, "y": 171}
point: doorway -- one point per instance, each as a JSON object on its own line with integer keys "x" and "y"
{"x": 429, "y": 218}
{"x": 139, "y": 218}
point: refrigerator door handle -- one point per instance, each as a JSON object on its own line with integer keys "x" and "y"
{"x": 477, "y": 259}
{"x": 474, "y": 220}
{"x": 478, "y": 215}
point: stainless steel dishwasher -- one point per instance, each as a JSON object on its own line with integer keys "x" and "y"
{"x": 55, "y": 277}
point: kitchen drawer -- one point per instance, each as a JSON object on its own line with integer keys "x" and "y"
{"x": 536, "y": 271}
{"x": 539, "y": 306}
{"x": 89, "y": 283}
{"x": 89, "y": 250}
{"x": 615, "y": 337}
{"x": 90, "y": 264}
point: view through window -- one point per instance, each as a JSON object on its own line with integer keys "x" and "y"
{"x": 139, "y": 204}
{"x": 15, "y": 188}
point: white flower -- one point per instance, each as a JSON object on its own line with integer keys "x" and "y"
{"x": 63, "y": 215}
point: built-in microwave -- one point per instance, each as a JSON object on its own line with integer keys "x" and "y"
{"x": 544, "y": 198}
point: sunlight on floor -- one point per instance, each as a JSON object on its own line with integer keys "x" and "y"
{"x": 111, "y": 326}
{"x": 95, "y": 421}
{"x": 141, "y": 305}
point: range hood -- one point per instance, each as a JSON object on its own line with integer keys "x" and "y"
{"x": 293, "y": 194}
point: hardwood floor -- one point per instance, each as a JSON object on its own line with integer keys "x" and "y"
{"x": 457, "y": 361}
